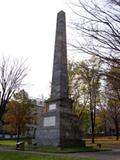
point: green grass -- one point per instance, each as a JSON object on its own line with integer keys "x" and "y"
{"x": 30, "y": 156}
{"x": 90, "y": 147}
{"x": 12, "y": 144}
{"x": 63, "y": 150}
{"x": 8, "y": 143}
{"x": 106, "y": 143}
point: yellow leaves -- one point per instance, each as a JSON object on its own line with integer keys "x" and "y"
{"x": 98, "y": 120}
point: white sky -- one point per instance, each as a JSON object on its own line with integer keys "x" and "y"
{"x": 27, "y": 29}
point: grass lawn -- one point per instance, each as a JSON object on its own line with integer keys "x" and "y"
{"x": 106, "y": 142}
{"x": 8, "y": 143}
{"x": 63, "y": 150}
{"x": 12, "y": 144}
{"x": 29, "y": 156}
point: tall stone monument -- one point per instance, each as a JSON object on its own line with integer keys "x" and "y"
{"x": 58, "y": 126}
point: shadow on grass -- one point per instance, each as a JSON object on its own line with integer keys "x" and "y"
{"x": 64, "y": 150}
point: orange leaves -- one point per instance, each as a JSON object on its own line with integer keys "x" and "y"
{"x": 19, "y": 114}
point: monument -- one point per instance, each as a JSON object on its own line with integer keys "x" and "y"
{"x": 57, "y": 125}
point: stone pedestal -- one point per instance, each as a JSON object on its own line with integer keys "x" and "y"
{"x": 58, "y": 126}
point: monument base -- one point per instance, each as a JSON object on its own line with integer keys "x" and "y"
{"x": 61, "y": 128}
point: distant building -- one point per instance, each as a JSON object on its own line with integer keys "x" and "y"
{"x": 36, "y": 113}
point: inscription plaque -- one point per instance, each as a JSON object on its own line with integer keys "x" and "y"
{"x": 52, "y": 106}
{"x": 49, "y": 121}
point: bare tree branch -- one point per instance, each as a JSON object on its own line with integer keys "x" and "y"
{"x": 12, "y": 73}
{"x": 98, "y": 25}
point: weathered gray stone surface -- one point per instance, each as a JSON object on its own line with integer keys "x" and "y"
{"x": 60, "y": 79}
{"x": 65, "y": 132}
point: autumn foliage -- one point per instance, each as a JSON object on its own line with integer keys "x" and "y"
{"x": 18, "y": 117}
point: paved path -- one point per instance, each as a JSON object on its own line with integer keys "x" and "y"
{"x": 102, "y": 155}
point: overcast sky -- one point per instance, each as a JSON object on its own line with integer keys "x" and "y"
{"x": 27, "y": 29}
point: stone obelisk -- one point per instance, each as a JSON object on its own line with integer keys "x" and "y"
{"x": 60, "y": 79}
{"x": 58, "y": 126}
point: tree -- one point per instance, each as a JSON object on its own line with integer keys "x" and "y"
{"x": 114, "y": 113}
{"x": 79, "y": 96}
{"x": 98, "y": 27}
{"x": 102, "y": 119}
{"x": 113, "y": 76}
{"x": 12, "y": 73}
{"x": 87, "y": 74}
{"x": 21, "y": 96}
{"x": 113, "y": 95}
{"x": 91, "y": 77}
{"x": 19, "y": 114}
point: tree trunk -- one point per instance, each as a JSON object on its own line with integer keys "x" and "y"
{"x": 18, "y": 133}
{"x": 2, "y": 108}
{"x": 105, "y": 129}
{"x": 117, "y": 129}
{"x": 92, "y": 115}
{"x": 93, "y": 126}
